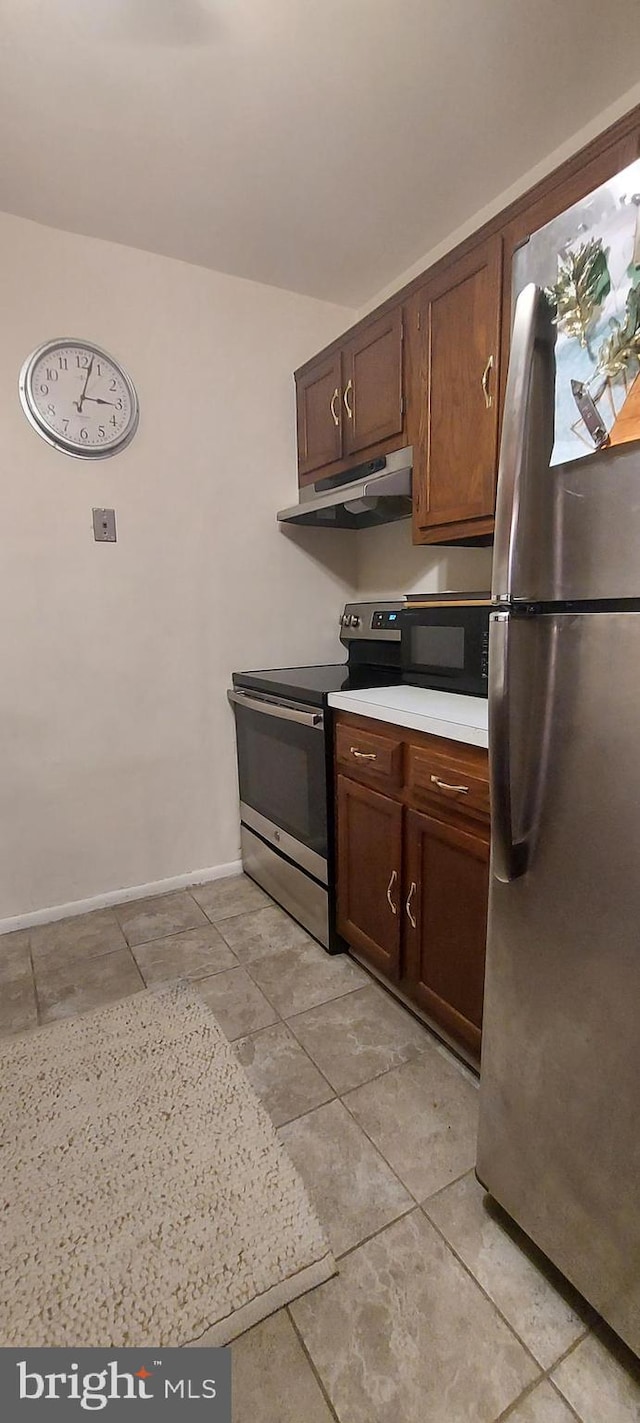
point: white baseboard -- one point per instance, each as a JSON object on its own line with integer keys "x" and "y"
{"x": 117, "y": 896}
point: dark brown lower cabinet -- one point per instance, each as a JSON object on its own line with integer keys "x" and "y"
{"x": 413, "y": 835}
{"x": 369, "y": 874}
{"x": 446, "y": 880}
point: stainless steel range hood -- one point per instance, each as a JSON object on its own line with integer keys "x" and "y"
{"x": 375, "y": 493}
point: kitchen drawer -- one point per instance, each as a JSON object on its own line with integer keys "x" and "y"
{"x": 364, "y": 755}
{"x": 436, "y": 781}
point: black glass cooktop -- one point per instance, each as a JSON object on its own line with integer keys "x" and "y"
{"x": 310, "y": 685}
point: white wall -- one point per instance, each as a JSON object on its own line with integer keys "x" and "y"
{"x": 389, "y": 565}
{"x": 118, "y": 761}
{"x": 574, "y": 142}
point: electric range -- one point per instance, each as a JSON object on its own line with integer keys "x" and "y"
{"x": 284, "y": 731}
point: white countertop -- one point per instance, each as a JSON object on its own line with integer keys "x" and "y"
{"x": 438, "y": 713}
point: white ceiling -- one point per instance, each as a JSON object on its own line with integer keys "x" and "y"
{"x": 319, "y": 145}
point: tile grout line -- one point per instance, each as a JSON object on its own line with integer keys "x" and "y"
{"x": 543, "y": 1371}
{"x": 558, "y": 1392}
{"x": 546, "y": 1377}
{"x": 311, "y": 1364}
{"x": 395, "y": 1067}
{"x": 373, "y": 1143}
{"x": 335, "y": 1093}
{"x": 440, "y": 1045}
{"x": 544, "y": 1374}
{"x": 247, "y": 965}
{"x": 487, "y": 1296}
{"x": 509, "y": 1411}
{"x": 382, "y": 1229}
{"x": 34, "y": 981}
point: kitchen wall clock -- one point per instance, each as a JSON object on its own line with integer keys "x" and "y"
{"x": 79, "y": 399}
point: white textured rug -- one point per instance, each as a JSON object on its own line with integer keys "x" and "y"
{"x": 144, "y": 1196}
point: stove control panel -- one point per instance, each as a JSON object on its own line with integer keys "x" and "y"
{"x": 379, "y": 622}
{"x": 388, "y": 621}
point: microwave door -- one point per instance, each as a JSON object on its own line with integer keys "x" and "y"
{"x": 447, "y": 649}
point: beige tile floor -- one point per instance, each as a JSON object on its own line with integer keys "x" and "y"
{"x": 441, "y": 1312}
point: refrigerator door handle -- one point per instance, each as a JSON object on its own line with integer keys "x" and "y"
{"x": 509, "y": 857}
{"x": 531, "y": 306}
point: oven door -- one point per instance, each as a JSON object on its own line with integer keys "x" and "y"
{"x": 446, "y": 647}
{"x": 282, "y": 775}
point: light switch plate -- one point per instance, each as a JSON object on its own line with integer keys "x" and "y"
{"x": 104, "y": 525}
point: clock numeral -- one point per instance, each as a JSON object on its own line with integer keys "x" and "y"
{"x": 63, "y": 363}
{"x": 98, "y": 368}
{"x": 113, "y": 420}
{"x": 82, "y": 362}
{"x": 51, "y": 409}
{"x": 52, "y": 375}
{"x": 44, "y": 389}
{"x": 84, "y": 433}
{"x": 119, "y": 405}
{"x": 66, "y": 425}
{"x": 101, "y": 431}
{"x": 113, "y": 385}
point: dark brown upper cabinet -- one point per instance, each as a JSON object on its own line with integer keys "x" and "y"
{"x": 372, "y": 384}
{"x": 428, "y": 368}
{"x": 319, "y": 412}
{"x": 350, "y": 401}
{"x": 456, "y": 456}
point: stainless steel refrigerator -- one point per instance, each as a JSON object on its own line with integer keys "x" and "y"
{"x": 559, "y": 1140}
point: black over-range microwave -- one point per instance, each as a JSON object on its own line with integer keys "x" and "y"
{"x": 445, "y": 642}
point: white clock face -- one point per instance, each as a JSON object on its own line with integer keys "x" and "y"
{"x": 79, "y": 399}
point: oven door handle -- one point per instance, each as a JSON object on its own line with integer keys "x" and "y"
{"x": 244, "y": 699}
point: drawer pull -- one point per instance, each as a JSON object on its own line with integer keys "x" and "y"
{"x": 347, "y": 406}
{"x": 332, "y": 403}
{"x": 363, "y": 755}
{"x": 393, "y": 907}
{"x": 407, "y": 906}
{"x": 444, "y": 786}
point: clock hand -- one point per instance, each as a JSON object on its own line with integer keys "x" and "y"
{"x": 79, "y": 403}
{"x": 97, "y": 401}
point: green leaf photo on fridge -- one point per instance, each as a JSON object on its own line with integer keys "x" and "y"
{"x": 621, "y": 348}
{"x": 582, "y": 284}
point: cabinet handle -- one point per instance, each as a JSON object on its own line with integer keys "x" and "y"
{"x": 488, "y": 398}
{"x": 363, "y": 755}
{"x": 393, "y": 907}
{"x": 348, "y": 387}
{"x": 332, "y": 403}
{"x": 413, "y": 922}
{"x": 444, "y": 786}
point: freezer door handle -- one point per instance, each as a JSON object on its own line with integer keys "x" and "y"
{"x": 509, "y": 856}
{"x": 532, "y": 325}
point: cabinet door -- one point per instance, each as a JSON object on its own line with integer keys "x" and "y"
{"x": 373, "y": 407}
{"x": 446, "y": 890}
{"x": 369, "y": 874}
{"x": 319, "y": 414}
{"x": 455, "y": 470}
